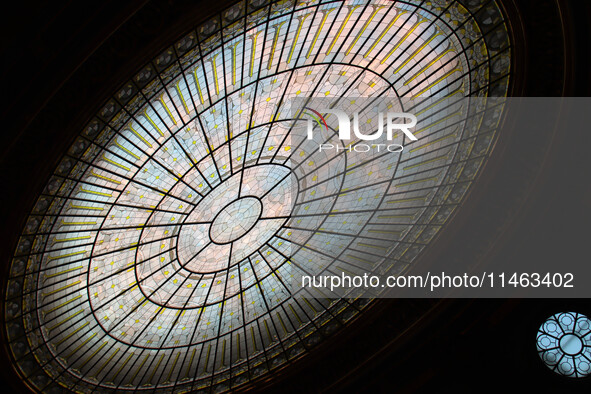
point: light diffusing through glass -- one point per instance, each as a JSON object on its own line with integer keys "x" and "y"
{"x": 158, "y": 255}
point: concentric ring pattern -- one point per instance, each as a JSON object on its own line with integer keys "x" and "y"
{"x": 158, "y": 256}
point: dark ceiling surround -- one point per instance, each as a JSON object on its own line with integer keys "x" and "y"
{"x": 65, "y": 61}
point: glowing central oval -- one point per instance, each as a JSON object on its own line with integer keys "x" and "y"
{"x": 235, "y": 220}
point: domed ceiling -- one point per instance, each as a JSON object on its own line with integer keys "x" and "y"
{"x": 160, "y": 254}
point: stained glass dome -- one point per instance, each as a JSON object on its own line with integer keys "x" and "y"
{"x": 159, "y": 255}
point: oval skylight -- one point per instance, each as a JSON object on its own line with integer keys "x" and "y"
{"x": 156, "y": 256}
